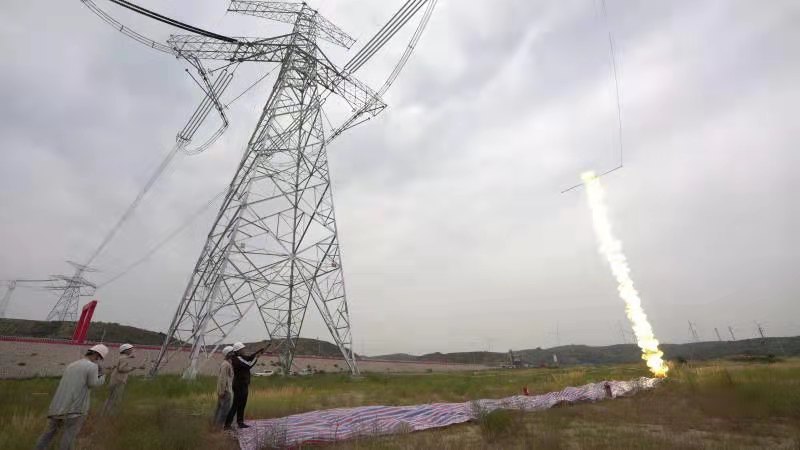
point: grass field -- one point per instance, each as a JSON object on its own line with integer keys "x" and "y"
{"x": 715, "y": 405}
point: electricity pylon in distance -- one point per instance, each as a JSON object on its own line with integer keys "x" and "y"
{"x": 72, "y": 289}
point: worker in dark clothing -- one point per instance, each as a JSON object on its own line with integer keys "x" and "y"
{"x": 241, "y": 383}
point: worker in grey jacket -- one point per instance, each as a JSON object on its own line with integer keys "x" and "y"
{"x": 224, "y": 387}
{"x": 119, "y": 378}
{"x": 70, "y": 404}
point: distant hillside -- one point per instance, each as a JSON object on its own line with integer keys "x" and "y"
{"x": 567, "y": 354}
{"x": 114, "y": 332}
{"x": 305, "y": 346}
{"x": 105, "y": 331}
{"x": 616, "y": 354}
{"x": 394, "y": 357}
{"x": 486, "y": 358}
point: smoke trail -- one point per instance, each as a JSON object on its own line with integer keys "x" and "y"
{"x": 611, "y": 248}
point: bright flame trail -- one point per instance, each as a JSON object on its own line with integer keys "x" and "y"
{"x": 611, "y": 248}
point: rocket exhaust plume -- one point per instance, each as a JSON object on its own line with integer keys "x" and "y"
{"x": 611, "y": 248}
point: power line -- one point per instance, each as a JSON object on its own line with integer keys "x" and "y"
{"x": 68, "y": 302}
{"x": 250, "y": 87}
{"x": 395, "y": 23}
{"x": 191, "y": 218}
{"x": 132, "y": 207}
{"x": 613, "y": 53}
{"x": 409, "y": 48}
{"x": 127, "y": 30}
{"x": 351, "y": 121}
{"x": 613, "y": 57}
{"x": 173, "y": 22}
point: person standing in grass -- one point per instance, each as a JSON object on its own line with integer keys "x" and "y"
{"x": 241, "y": 383}
{"x": 224, "y": 387}
{"x": 70, "y": 404}
{"x": 119, "y": 378}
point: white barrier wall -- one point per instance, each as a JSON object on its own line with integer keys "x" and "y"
{"x": 26, "y": 358}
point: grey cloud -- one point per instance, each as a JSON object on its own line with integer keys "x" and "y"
{"x": 448, "y": 204}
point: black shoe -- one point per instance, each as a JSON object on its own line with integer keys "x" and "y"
{"x": 242, "y": 425}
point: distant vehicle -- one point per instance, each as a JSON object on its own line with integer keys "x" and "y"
{"x": 267, "y": 373}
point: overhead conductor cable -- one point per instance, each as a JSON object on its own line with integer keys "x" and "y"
{"x": 613, "y": 58}
{"x": 397, "y": 21}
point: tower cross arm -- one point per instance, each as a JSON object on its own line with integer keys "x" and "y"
{"x": 287, "y": 13}
{"x": 357, "y": 94}
{"x": 244, "y": 49}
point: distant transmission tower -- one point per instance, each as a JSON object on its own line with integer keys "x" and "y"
{"x": 693, "y": 332}
{"x": 761, "y": 332}
{"x": 719, "y": 338}
{"x": 730, "y": 330}
{"x": 74, "y": 287}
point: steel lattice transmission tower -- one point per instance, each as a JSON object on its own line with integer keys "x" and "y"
{"x": 73, "y": 288}
{"x": 274, "y": 245}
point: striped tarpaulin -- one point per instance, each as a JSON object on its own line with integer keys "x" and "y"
{"x": 318, "y": 427}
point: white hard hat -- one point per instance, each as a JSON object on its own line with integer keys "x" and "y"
{"x": 124, "y": 347}
{"x": 101, "y": 350}
{"x": 226, "y": 350}
{"x": 237, "y": 346}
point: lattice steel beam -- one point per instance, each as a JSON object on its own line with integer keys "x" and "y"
{"x": 287, "y": 13}
{"x": 354, "y": 92}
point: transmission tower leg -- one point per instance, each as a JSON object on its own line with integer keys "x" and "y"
{"x": 202, "y": 304}
{"x": 274, "y": 243}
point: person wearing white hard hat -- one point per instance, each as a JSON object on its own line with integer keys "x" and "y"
{"x": 70, "y": 404}
{"x": 224, "y": 387}
{"x": 241, "y": 383}
{"x": 119, "y": 378}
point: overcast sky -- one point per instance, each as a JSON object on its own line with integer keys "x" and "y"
{"x": 454, "y": 233}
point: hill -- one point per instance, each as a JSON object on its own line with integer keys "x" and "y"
{"x": 98, "y": 331}
{"x": 305, "y": 346}
{"x": 627, "y": 353}
{"x": 394, "y": 357}
{"x": 114, "y": 332}
{"x": 487, "y": 358}
{"x": 567, "y": 354}
{"x": 617, "y": 354}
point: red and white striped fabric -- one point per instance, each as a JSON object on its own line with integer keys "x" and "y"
{"x": 319, "y": 427}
